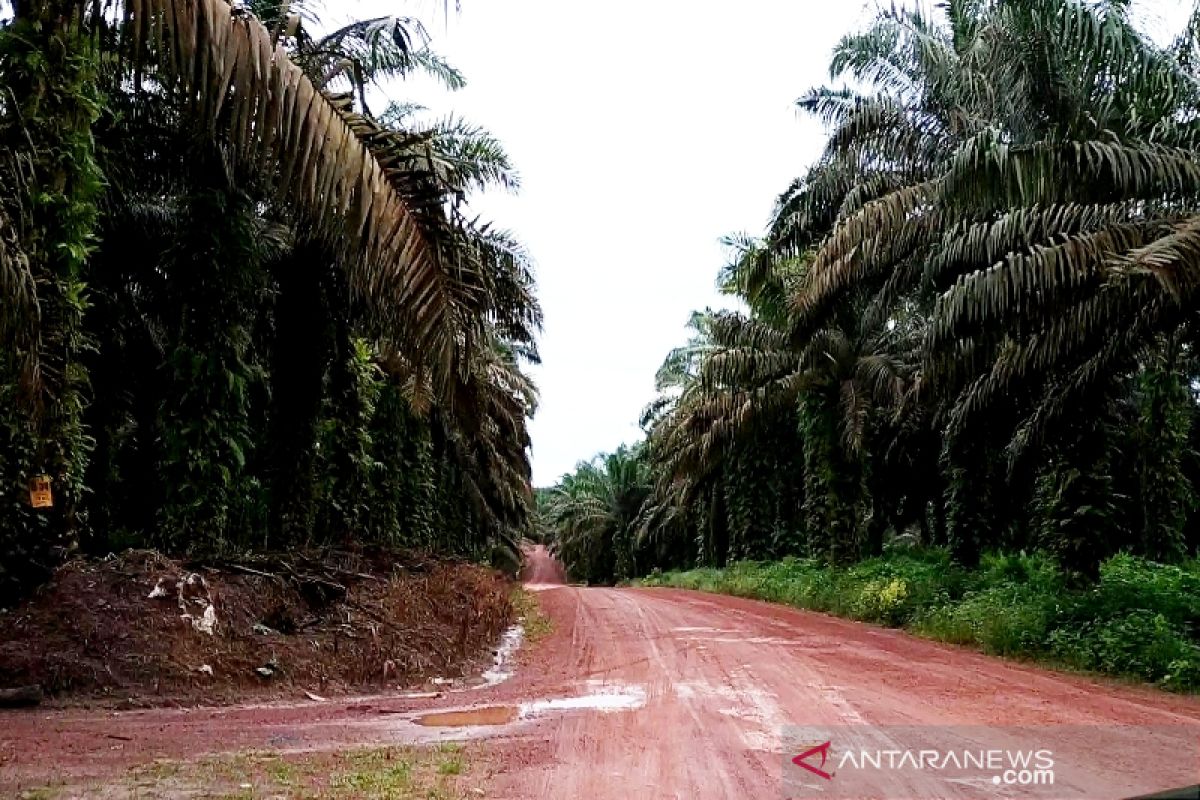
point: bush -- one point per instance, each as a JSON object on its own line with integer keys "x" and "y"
{"x": 1138, "y": 643}
{"x": 882, "y": 600}
{"x": 893, "y": 589}
{"x": 1128, "y": 582}
{"x": 1036, "y": 570}
{"x": 1010, "y": 619}
{"x": 1139, "y": 620}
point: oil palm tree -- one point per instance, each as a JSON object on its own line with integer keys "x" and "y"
{"x": 230, "y": 79}
{"x": 594, "y": 512}
{"x": 1031, "y": 167}
{"x": 1022, "y": 172}
{"x": 747, "y": 372}
{"x": 984, "y": 289}
{"x": 365, "y": 221}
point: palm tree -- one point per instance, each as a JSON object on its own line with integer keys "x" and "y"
{"x": 973, "y": 315}
{"x": 1024, "y": 172}
{"x": 1052, "y": 169}
{"x": 270, "y": 117}
{"x": 750, "y": 372}
{"x": 594, "y": 513}
{"x": 328, "y": 239}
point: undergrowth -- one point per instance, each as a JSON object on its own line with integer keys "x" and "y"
{"x": 1140, "y": 620}
{"x": 529, "y": 611}
{"x": 393, "y": 773}
{"x": 444, "y": 772}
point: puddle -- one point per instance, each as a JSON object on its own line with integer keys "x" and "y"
{"x": 608, "y": 698}
{"x": 487, "y": 715}
{"x": 603, "y": 701}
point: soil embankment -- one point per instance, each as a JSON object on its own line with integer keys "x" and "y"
{"x": 141, "y": 629}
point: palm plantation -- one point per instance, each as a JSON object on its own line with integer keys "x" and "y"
{"x": 242, "y": 309}
{"x": 968, "y": 327}
{"x": 267, "y": 388}
{"x": 247, "y": 306}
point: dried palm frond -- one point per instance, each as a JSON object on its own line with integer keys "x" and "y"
{"x": 339, "y": 171}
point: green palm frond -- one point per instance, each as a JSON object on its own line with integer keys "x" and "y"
{"x": 468, "y": 157}
{"x": 682, "y": 364}
{"x": 362, "y": 48}
{"x": 988, "y": 173}
{"x": 1021, "y": 283}
{"x": 967, "y": 244}
{"x": 839, "y": 260}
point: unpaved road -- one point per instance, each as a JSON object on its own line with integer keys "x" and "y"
{"x": 673, "y": 694}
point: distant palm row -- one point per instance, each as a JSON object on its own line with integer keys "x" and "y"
{"x": 238, "y": 308}
{"x": 972, "y": 323}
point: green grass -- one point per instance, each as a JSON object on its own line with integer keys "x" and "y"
{"x": 390, "y": 773}
{"x": 1140, "y": 620}
{"x": 451, "y": 761}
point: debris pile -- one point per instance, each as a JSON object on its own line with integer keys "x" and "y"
{"x": 142, "y": 629}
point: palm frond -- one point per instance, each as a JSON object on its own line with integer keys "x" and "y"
{"x": 1173, "y": 259}
{"x": 330, "y": 164}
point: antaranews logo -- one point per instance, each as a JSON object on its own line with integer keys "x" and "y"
{"x": 1039, "y": 763}
{"x": 821, "y": 750}
{"x": 1022, "y": 767}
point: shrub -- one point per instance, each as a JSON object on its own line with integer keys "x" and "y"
{"x": 1010, "y": 619}
{"x": 1128, "y": 582}
{"x": 882, "y": 600}
{"x": 1138, "y": 620}
{"x": 1139, "y": 643}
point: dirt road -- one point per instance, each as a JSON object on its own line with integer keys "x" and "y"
{"x": 673, "y": 694}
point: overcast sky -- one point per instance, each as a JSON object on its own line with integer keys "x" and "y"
{"x": 643, "y": 130}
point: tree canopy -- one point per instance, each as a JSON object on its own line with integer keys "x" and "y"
{"x": 970, "y": 323}
{"x": 240, "y": 308}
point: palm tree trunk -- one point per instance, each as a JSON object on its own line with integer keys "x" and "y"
{"x": 832, "y": 483}
{"x": 49, "y": 62}
{"x": 718, "y": 529}
{"x": 206, "y": 433}
{"x": 968, "y": 518}
{"x": 304, "y": 340}
{"x": 1165, "y": 496}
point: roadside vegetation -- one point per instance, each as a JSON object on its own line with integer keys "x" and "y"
{"x": 536, "y": 623}
{"x": 961, "y": 396}
{"x": 245, "y": 303}
{"x": 391, "y": 773}
{"x": 1136, "y": 621}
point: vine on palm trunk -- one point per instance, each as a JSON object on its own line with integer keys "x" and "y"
{"x": 297, "y": 330}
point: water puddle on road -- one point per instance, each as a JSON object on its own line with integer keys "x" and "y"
{"x": 607, "y": 699}
{"x": 542, "y": 587}
{"x": 603, "y": 701}
{"x": 502, "y": 668}
{"x": 487, "y": 715}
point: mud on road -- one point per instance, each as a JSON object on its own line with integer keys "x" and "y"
{"x": 662, "y": 694}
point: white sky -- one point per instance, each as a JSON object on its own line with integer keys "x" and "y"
{"x": 643, "y": 130}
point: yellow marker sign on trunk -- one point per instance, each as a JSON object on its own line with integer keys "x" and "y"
{"x": 40, "y": 495}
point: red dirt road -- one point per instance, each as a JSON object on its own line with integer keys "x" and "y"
{"x": 693, "y": 691}
{"x": 542, "y": 570}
